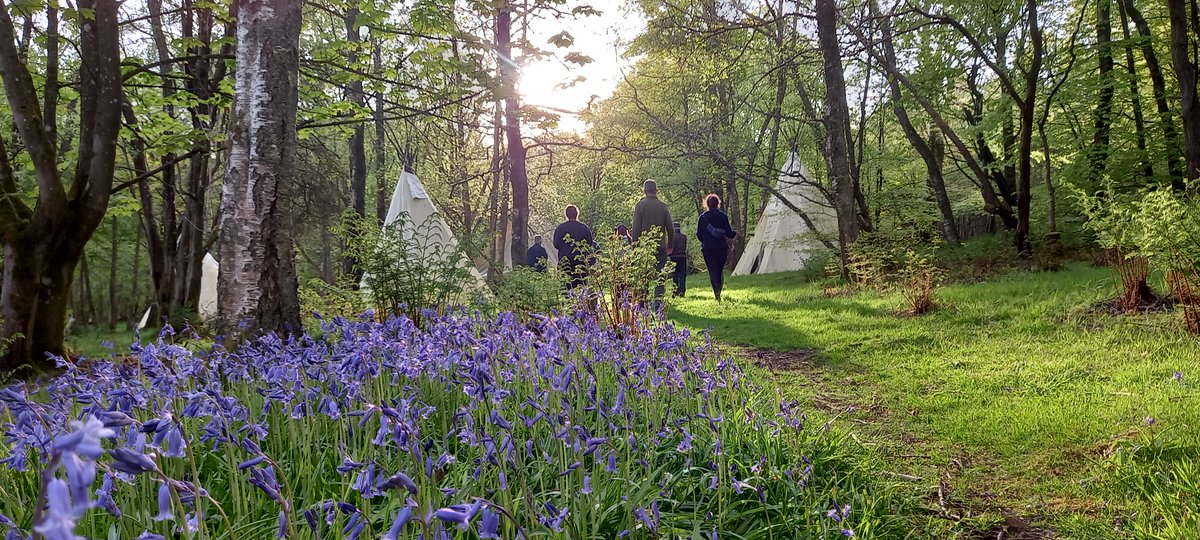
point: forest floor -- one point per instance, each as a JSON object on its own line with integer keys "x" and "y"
{"x": 1015, "y": 410}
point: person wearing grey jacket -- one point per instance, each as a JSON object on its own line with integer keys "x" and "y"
{"x": 651, "y": 213}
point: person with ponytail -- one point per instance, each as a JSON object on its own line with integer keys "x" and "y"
{"x": 714, "y": 233}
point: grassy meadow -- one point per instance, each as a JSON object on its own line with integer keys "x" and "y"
{"x": 1013, "y": 407}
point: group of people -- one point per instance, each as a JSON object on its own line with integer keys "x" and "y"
{"x": 573, "y": 238}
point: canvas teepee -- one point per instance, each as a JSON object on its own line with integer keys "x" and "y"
{"x": 782, "y": 242}
{"x": 410, "y": 198}
{"x": 206, "y": 308}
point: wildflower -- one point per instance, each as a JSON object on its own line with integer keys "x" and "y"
{"x": 59, "y": 521}
{"x": 587, "y": 485}
{"x": 489, "y": 524}
{"x": 147, "y": 535}
{"x": 85, "y": 438}
{"x": 402, "y": 518}
{"x": 281, "y": 529}
{"x": 131, "y": 462}
{"x": 1177, "y": 376}
{"x": 399, "y": 480}
{"x": 164, "y": 503}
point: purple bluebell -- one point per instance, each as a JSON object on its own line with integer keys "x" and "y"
{"x": 402, "y": 518}
{"x": 587, "y": 484}
{"x": 84, "y": 439}
{"x": 58, "y": 523}
{"x": 131, "y": 462}
{"x": 489, "y": 524}
{"x": 164, "y": 503}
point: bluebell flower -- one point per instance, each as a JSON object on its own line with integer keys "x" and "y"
{"x": 164, "y": 503}
{"x": 58, "y": 523}
{"x": 85, "y": 438}
{"x": 489, "y": 524}
{"x": 587, "y": 484}
{"x": 402, "y": 518}
{"x": 131, "y": 462}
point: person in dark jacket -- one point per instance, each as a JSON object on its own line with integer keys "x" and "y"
{"x": 536, "y": 257}
{"x": 714, "y": 233}
{"x": 679, "y": 256}
{"x": 574, "y": 243}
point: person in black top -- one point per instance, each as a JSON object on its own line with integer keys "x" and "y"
{"x": 574, "y": 243}
{"x": 536, "y": 257}
{"x": 714, "y": 233}
{"x": 679, "y": 256}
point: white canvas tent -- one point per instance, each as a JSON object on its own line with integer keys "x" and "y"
{"x": 207, "y": 306}
{"x": 409, "y": 197}
{"x": 782, "y": 242}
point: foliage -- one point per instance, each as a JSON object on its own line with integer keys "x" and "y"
{"x": 919, "y": 278}
{"x": 327, "y": 301}
{"x": 408, "y": 268}
{"x": 623, "y": 277}
{"x": 561, "y": 428}
{"x": 526, "y": 291}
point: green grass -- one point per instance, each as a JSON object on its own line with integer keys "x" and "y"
{"x": 89, "y": 341}
{"x": 1011, "y": 393}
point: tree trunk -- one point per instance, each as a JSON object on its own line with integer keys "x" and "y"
{"x": 357, "y": 143}
{"x": 837, "y": 124}
{"x": 87, "y": 315}
{"x": 1174, "y": 156}
{"x": 1185, "y": 71}
{"x": 43, "y": 245}
{"x": 1098, "y": 153}
{"x": 382, "y": 195}
{"x": 257, "y": 285}
{"x": 932, "y": 153}
{"x": 517, "y": 174}
{"x": 135, "y": 300}
{"x": 1135, "y": 100}
{"x": 113, "y": 310}
{"x": 1028, "y": 107}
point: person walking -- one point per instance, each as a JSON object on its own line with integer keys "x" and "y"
{"x": 650, "y": 213}
{"x": 623, "y": 234}
{"x": 679, "y": 256}
{"x": 574, "y": 242}
{"x": 536, "y": 257}
{"x": 714, "y": 233}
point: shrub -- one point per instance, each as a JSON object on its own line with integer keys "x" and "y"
{"x": 526, "y": 291}
{"x": 408, "y": 268}
{"x": 560, "y": 428}
{"x": 622, "y": 277}
{"x": 918, "y": 281}
{"x": 883, "y": 262}
{"x": 1150, "y": 228}
{"x": 341, "y": 299}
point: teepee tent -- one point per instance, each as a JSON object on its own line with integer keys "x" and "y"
{"x": 782, "y": 242}
{"x": 206, "y": 308}
{"x": 410, "y": 199}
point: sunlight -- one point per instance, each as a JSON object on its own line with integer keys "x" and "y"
{"x": 553, "y": 87}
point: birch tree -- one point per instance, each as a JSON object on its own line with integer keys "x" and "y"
{"x": 257, "y": 289}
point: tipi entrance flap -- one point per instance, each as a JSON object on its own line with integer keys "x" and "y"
{"x": 782, "y": 241}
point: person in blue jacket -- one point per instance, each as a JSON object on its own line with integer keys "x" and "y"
{"x": 714, "y": 233}
{"x": 537, "y": 257}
